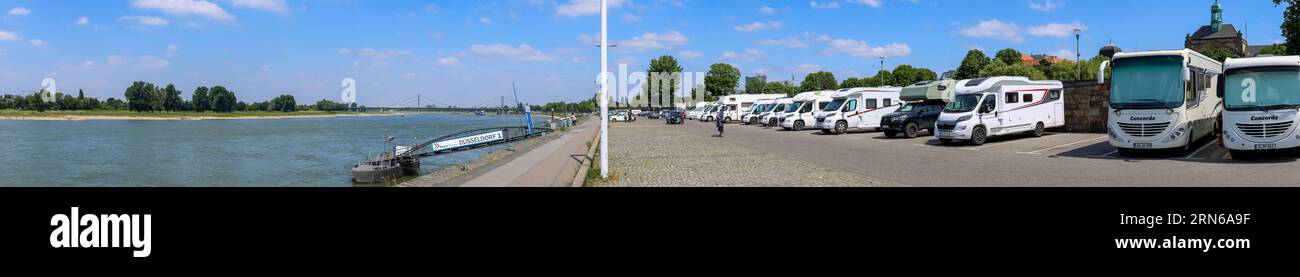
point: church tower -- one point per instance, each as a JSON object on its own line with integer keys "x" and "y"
{"x": 1216, "y": 17}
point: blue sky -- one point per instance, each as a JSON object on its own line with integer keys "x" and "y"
{"x": 466, "y": 52}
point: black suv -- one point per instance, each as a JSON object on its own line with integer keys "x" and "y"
{"x": 674, "y": 116}
{"x": 911, "y": 119}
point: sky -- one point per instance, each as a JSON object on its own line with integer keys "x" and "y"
{"x": 461, "y": 52}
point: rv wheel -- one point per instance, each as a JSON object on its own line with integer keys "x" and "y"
{"x": 978, "y": 136}
{"x": 771, "y": 122}
{"x": 798, "y": 125}
{"x": 841, "y": 127}
{"x": 911, "y": 130}
{"x": 753, "y": 121}
{"x": 1038, "y": 130}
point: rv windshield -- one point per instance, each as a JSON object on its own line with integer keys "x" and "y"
{"x": 963, "y": 103}
{"x": 793, "y": 107}
{"x": 1263, "y": 88}
{"x": 1147, "y": 83}
{"x": 779, "y": 108}
{"x": 835, "y": 104}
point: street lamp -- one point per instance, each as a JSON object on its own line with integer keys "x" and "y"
{"x": 604, "y": 89}
{"x": 1078, "y": 57}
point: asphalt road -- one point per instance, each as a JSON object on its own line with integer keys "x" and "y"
{"x": 1057, "y": 159}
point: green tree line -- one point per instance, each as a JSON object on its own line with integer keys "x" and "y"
{"x": 146, "y": 97}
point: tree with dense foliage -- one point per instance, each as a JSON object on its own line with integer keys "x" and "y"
{"x": 284, "y": 103}
{"x": 819, "y": 81}
{"x": 906, "y": 75}
{"x": 721, "y": 80}
{"x": 1275, "y": 50}
{"x": 1220, "y": 54}
{"x": 1009, "y": 56}
{"x": 756, "y": 84}
{"x": 970, "y": 66}
{"x": 223, "y": 101}
{"x": 1290, "y": 26}
{"x": 783, "y": 88}
{"x": 998, "y": 68}
{"x": 664, "y": 68}
{"x": 201, "y": 100}
{"x": 139, "y": 97}
{"x": 172, "y": 98}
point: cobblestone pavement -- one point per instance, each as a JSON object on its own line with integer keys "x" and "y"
{"x": 649, "y": 153}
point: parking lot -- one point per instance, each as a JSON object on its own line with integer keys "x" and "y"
{"x": 1056, "y": 159}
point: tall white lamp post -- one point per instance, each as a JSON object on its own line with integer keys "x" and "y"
{"x": 604, "y": 89}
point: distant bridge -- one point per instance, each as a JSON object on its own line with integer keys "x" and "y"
{"x": 419, "y": 103}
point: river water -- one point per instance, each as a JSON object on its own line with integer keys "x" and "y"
{"x": 263, "y": 152}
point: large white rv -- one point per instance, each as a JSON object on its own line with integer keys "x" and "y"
{"x": 697, "y": 110}
{"x": 1260, "y": 99}
{"x": 805, "y": 106}
{"x": 858, "y": 109}
{"x": 737, "y": 103}
{"x": 762, "y": 106}
{"x": 773, "y": 116}
{"x": 999, "y": 106}
{"x": 1162, "y": 99}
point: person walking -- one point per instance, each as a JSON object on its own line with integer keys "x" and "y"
{"x": 721, "y": 119}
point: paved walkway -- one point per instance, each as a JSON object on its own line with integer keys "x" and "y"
{"x": 546, "y": 165}
{"x": 650, "y": 153}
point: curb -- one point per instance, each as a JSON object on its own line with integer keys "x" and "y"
{"x": 581, "y": 179}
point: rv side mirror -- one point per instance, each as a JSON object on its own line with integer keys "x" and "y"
{"x": 1187, "y": 74}
{"x": 1101, "y": 73}
{"x": 1221, "y": 85}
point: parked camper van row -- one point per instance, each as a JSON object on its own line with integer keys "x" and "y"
{"x": 1158, "y": 100}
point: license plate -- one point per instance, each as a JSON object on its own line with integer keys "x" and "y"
{"x": 944, "y": 134}
{"x": 1142, "y": 145}
{"x": 1265, "y": 146}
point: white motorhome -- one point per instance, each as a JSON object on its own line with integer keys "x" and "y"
{"x": 696, "y": 110}
{"x": 739, "y": 103}
{"x": 1261, "y": 98}
{"x": 771, "y": 117}
{"x": 1162, "y": 99}
{"x": 711, "y": 114}
{"x": 999, "y": 106}
{"x": 858, "y": 109}
{"x": 801, "y": 113}
{"x": 758, "y": 109}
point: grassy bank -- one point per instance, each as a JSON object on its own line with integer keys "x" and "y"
{"x": 118, "y": 114}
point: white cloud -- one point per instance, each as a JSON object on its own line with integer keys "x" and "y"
{"x": 575, "y": 8}
{"x": 759, "y": 26}
{"x": 1064, "y": 54}
{"x": 88, "y": 65}
{"x": 83, "y": 21}
{"x": 1046, "y": 5}
{"x": 824, "y": 5}
{"x": 523, "y": 52}
{"x": 872, "y": 3}
{"x": 172, "y": 48}
{"x": 627, "y": 17}
{"x": 485, "y": 20}
{"x": 861, "y": 49}
{"x": 994, "y": 29}
{"x": 766, "y": 10}
{"x": 264, "y": 68}
{"x": 9, "y": 36}
{"x": 383, "y": 54}
{"x": 151, "y": 62}
{"x": 19, "y": 11}
{"x": 409, "y": 75}
{"x": 1057, "y": 29}
{"x": 185, "y": 8}
{"x": 146, "y": 21}
{"x": 117, "y": 60}
{"x": 748, "y": 55}
{"x": 646, "y": 41}
{"x": 806, "y": 68}
{"x": 345, "y": 51}
{"x": 37, "y": 42}
{"x": 270, "y": 5}
{"x": 431, "y": 9}
{"x": 789, "y": 42}
{"x": 690, "y": 54}
{"x": 449, "y": 61}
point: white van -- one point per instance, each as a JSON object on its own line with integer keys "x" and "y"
{"x": 999, "y": 106}
{"x": 773, "y": 115}
{"x": 801, "y": 113}
{"x": 700, "y": 110}
{"x": 738, "y": 104}
{"x": 858, "y": 109}
{"x": 751, "y": 117}
{"x": 1260, "y": 100}
{"x": 711, "y": 113}
{"x": 1162, "y": 99}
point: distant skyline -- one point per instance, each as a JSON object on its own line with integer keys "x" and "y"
{"x": 466, "y": 52}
